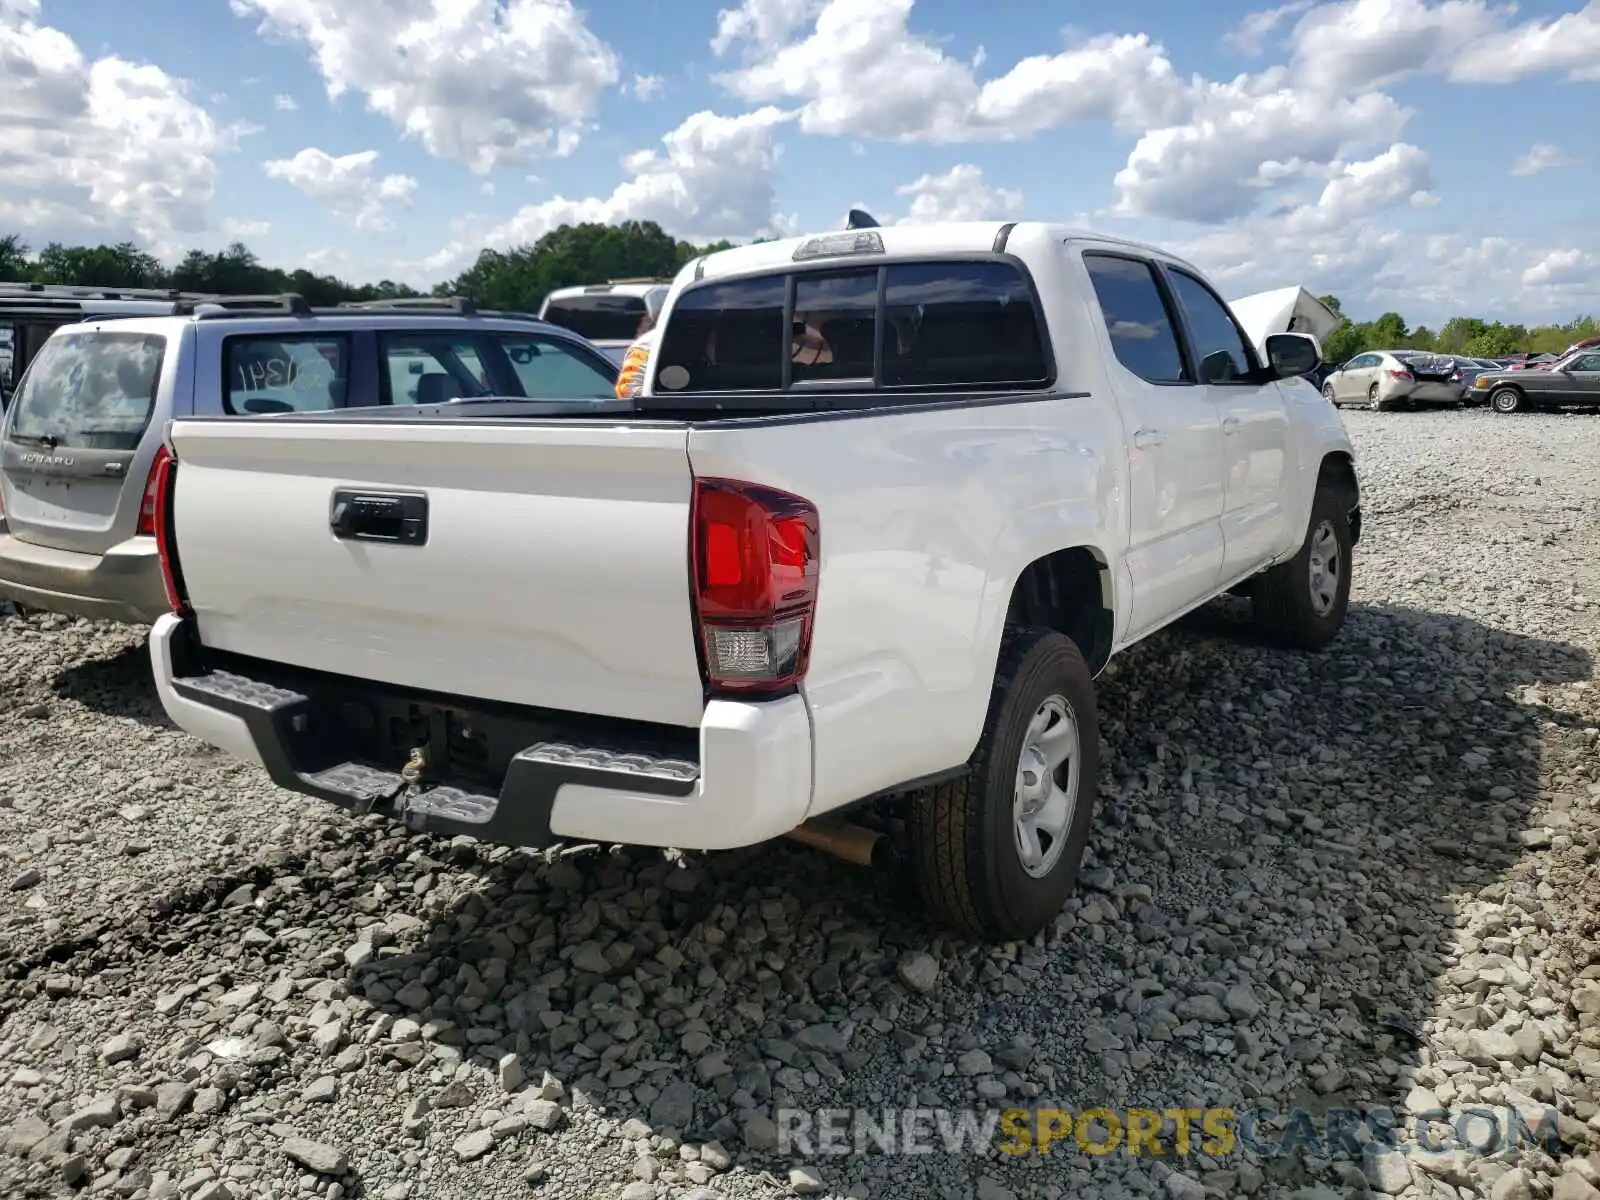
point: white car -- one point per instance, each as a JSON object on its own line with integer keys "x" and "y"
{"x": 888, "y": 502}
{"x": 610, "y": 315}
{"x": 1385, "y": 379}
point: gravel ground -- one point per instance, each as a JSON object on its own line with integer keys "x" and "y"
{"x": 1354, "y": 879}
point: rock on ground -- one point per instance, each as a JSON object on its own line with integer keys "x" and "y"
{"x": 1305, "y": 869}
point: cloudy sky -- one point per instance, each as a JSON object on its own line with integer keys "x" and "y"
{"x": 1430, "y": 157}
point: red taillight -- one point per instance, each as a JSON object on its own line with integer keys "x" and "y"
{"x": 753, "y": 560}
{"x": 152, "y": 483}
{"x": 158, "y": 493}
{"x": 1401, "y": 375}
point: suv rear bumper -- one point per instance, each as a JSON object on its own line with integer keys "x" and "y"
{"x": 744, "y": 777}
{"x": 123, "y": 584}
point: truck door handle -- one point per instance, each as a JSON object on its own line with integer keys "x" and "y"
{"x": 1230, "y": 426}
{"x": 400, "y": 518}
{"x": 1144, "y": 438}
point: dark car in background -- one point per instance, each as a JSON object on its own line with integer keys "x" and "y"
{"x": 1573, "y": 380}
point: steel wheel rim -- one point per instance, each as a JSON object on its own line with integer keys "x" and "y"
{"x": 1046, "y": 795}
{"x": 1325, "y": 568}
{"x": 1504, "y": 401}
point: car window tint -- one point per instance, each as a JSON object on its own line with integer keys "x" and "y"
{"x": 1585, "y": 362}
{"x": 600, "y": 316}
{"x": 91, "y": 390}
{"x": 432, "y": 368}
{"x": 725, "y": 337}
{"x": 547, "y": 369}
{"x": 835, "y": 325}
{"x": 1219, "y": 348}
{"x": 285, "y": 374}
{"x": 1136, "y": 317}
{"x": 971, "y": 324}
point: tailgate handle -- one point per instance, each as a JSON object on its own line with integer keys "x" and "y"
{"x": 397, "y": 517}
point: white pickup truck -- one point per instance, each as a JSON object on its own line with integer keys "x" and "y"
{"x": 887, "y": 503}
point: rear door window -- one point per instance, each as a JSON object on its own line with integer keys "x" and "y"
{"x": 600, "y": 316}
{"x": 956, "y": 324}
{"x": 90, "y": 390}
{"x": 1137, "y": 318}
{"x": 271, "y": 374}
{"x": 432, "y": 368}
{"x": 547, "y": 369}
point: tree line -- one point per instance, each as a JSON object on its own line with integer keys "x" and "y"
{"x": 1469, "y": 336}
{"x": 515, "y": 280}
{"x": 518, "y": 279}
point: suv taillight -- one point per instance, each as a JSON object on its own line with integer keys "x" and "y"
{"x": 147, "y": 506}
{"x": 163, "y": 481}
{"x": 754, "y": 560}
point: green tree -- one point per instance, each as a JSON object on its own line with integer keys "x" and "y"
{"x": 1332, "y": 302}
{"x": 1388, "y": 331}
{"x": 1496, "y": 340}
{"x": 14, "y": 266}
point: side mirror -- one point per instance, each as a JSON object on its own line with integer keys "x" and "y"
{"x": 1291, "y": 354}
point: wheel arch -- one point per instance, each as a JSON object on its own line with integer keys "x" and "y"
{"x": 1338, "y": 470}
{"x": 1072, "y": 591}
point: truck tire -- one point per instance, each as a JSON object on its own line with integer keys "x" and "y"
{"x": 967, "y": 835}
{"x": 1301, "y": 604}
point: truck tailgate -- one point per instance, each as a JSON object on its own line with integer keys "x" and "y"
{"x": 554, "y": 572}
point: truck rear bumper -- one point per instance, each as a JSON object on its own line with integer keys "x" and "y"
{"x": 744, "y": 777}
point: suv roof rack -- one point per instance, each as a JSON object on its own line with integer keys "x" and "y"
{"x": 23, "y": 288}
{"x": 460, "y": 305}
{"x": 206, "y": 308}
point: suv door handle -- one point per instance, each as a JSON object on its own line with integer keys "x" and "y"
{"x": 1230, "y": 425}
{"x": 1143, "y": 438}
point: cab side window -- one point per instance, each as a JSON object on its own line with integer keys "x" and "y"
{"x": 1137, "y": 318}
{"x": 1219, "y": 347}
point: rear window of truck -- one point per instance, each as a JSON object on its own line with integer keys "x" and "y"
{"x": 90, "y": 390}
{"x": 600, "y": 317}
{"x": 936, "y": 324}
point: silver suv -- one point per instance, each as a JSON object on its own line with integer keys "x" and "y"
{"x": 84, "y": 432}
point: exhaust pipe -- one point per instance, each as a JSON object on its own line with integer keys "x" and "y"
{"x": 853, "y": 843}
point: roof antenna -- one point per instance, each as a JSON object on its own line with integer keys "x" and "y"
{"x": 859, "y": 219}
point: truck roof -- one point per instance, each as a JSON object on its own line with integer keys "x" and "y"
{"x": 932, "y": 238}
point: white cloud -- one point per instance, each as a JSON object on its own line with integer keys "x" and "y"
{"x": 712, "y": 179}
{"x": 1369, "y": 43}
{"x": 960, "y": 194}
{"x": 1400, "y": 175}
{"x": 1563, "y": 267}
{"x": 646, "y": 87}
{"x": 106, "y": 144}
{"x": 861, "y": 72}
{"x": 1243, "y": 139}
{"x": 764, "y": 23}
{"x": 482, "y": 82}
{"x": 1541, "y": 157}
{"x": 346, "y": 184}
{"x": 1251, "y": 35}
{"x": 245, "y": 227}
{"x": 284, "y": 102}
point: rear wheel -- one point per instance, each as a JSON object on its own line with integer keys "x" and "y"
{"x": 1505, "y": 400}
{"x": 996, "y": 851}
{"x": 1373, "y": 402}
{"x": 1301, "y": 604}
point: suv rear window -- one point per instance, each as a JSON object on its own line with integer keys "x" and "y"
{"x": 602, "y": 316}
{"x": 954, "y": 324}
{"x": 90, "y": 390}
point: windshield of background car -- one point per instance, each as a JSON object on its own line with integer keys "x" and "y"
{"x": 599, "y": 316}
{"x": 89, "y": 390}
